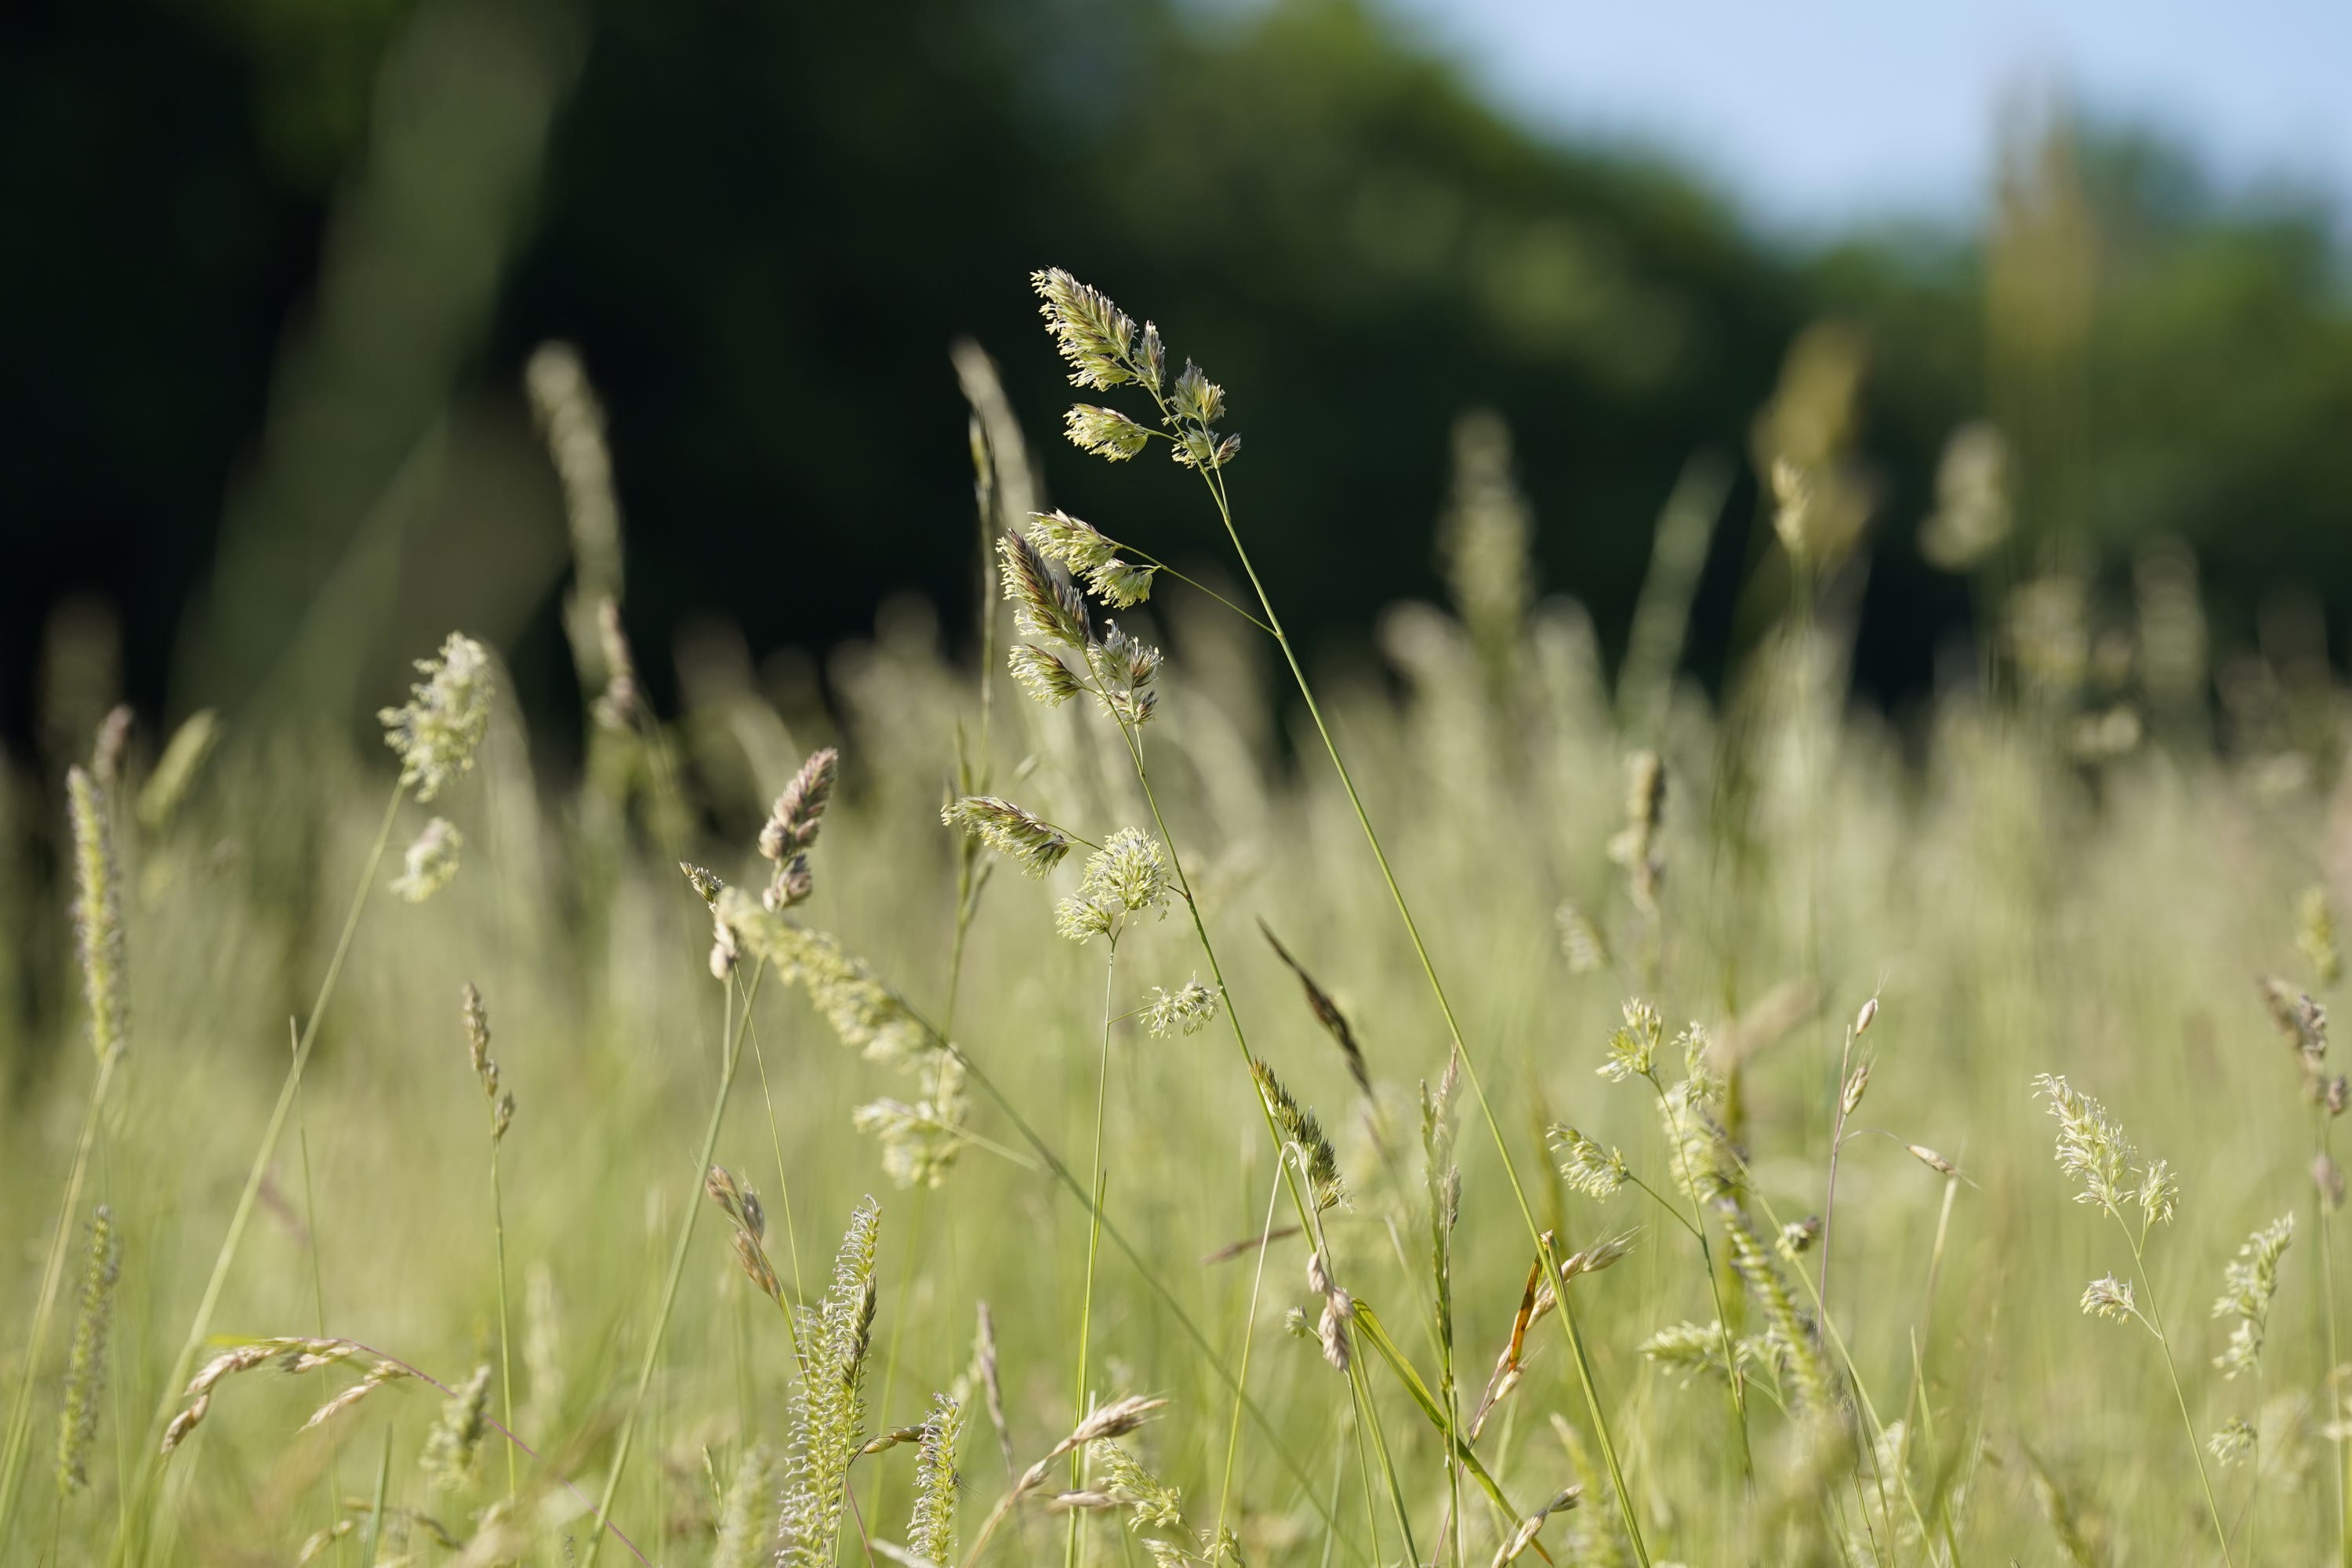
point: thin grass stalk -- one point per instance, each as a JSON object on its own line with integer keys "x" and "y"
{"x": 318, "y": 1281}
{"x": 972, "y": 780}
{"x": 200, "y": 1327}
{"x": 1249, "y": 1339}
{"x": 1923, "y": 1334}
{"x": 2322, "y": 1125}
{"x": 679, "y": 1252}
{"x": 1733, "y": 1377}
{"x": 506, "y": 1320}
{"x": 784, "y": 1188}
{"x": 1213, "y": 477}
{"x": 1307, "y": 1219}
{"x": 1201, "y": 1342}
{"x": 1837, "y": 1143}
{"x": 373, "y": 1535}
{"x": 1845, "y": 1357}
{"x": 1360, "y": 1388}
{"x": 1364, "y": 1477}
{"x": 2172, "y": 1375}
{"x": 1073, "y": 1550}
{"x": 1208, "y": 950}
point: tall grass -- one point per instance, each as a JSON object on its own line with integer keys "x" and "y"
{"x": 1814, "y": 1305}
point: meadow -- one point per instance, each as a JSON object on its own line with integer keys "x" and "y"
{"x": 1069, "y": 1103}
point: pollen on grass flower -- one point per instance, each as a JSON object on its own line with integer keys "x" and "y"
{"x": 431, "y": 861}
{"x": 2108, "y": 1296}
{"x": 437, "y": 730}
{"x": 1187, "y": 1008}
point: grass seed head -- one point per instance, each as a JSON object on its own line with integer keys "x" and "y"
{"x": 454, "y": 1448}
{"x": 1301, "y": 1132}
{"x": 1187, "y": 1009}
{"x": 430, "y": 862}
{"x": 2108, "y": 1296}
{"x": 1018, "y": 834}
{"x": 86, "y": 1362}
{"x": 1096, "y": 339}
{"x": 2249, "y": 1284}
{"x": 98, "y": 917}
{"x": 436, "y": 732}
{"x": 1105, "y": 431}
{"x": 1590, "y": 1167}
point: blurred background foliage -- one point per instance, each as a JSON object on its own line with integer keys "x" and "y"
{"x": 274, "y": 267}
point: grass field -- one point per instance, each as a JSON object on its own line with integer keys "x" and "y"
{"x": 1745, "y": 949}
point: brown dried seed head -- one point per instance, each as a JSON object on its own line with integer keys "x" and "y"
{"x": 1932, "y": 1160}
{"x": 1116, "y": 1419}
{"x": 184, "y": 1423}
{"x": 1339, "y": 1307}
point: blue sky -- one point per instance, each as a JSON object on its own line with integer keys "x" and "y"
{"x": 1814, "y": 113}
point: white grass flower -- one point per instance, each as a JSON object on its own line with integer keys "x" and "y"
{"x": 1124, "y": 669}
{"x": 436, "y": 732}
{"x": 1048, "y": 606}
{"x": 1095, "y": 338}
{"x": 920, "y": 1141}
{"x": 1581, "y": 940}
{"x": 1121, "y": 584}
{"x": 1149, "y": 1501}
{"x": 1128, "y": 875}
{"x": 1692, "y": 1350}
{"x": 1797, "y": 1236}
{"x": 2249, "y": 1284}
{"x": 2090, "y": 1145}
{"x": 869, "y": 1016}
{"x": 1105, "y": 431}
{"x": 1188, "y": 1008}
{"x": 931, "y": 1533}
{"x": 1083, "y": 919}
{"x": 745, "y": 1519}
{"x": 2233, "y": 1442}
{"x": 1196, "y": 397}
{"x": 2108, "y": 1296}
{"x": 1042, "y": 675}
{"x": 454, "y": 1447}
{"x": 1079, "y": 545}
{"x": 431, "y": 861}
{"x": 2159, "y": 1192}
{"x": 1018, "y": 834}
{"x": 1592, "y": 1168}
{"x": 829, "y": 1408}
{"x": 1633, "y": 1048}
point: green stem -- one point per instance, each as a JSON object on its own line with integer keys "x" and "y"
{"x": 506, "y": 1323}
{"x": 2327, "y": 1284}
{"x": 2155, "y": 1317}
{"x": 1696, "y": 1224}
{"x": 1307, "y": 1222}
{"x": 676, "y": 1260}
{"x": 1201, "y": 1342}
{"x": 200, "y": 1327}
{"x": 1240, "y": 1379}
{"x": 1072, "y": 1551}
{"x": 319, "y": 1286}
{"x": 1213, "y": 477}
